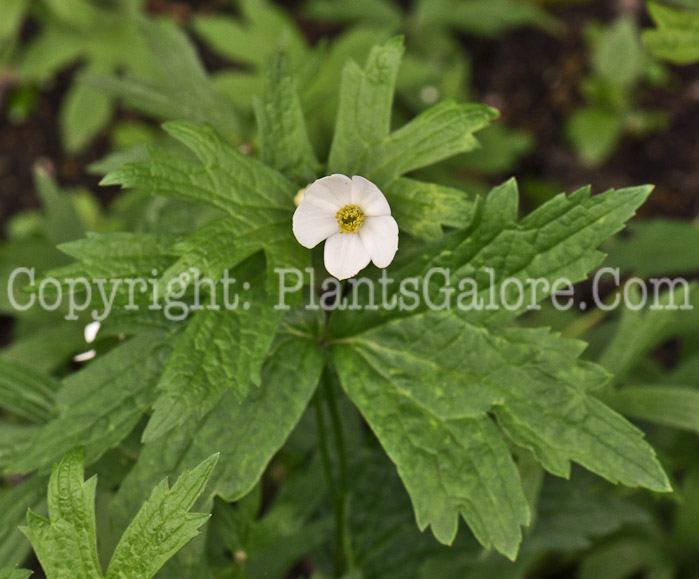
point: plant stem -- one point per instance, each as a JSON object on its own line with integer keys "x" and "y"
{"x": 322, "y": 437}
{"x": 344, "y": 558}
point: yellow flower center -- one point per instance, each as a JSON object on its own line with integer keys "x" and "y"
{"x": 300, "y": 196}
{"x": 350, "y": 219}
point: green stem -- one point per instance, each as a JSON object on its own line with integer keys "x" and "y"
{"x": 344, "y": 557}
{"x": 322, "y": 437}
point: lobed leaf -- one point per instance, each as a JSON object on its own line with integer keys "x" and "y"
{"x": 26, "y": 392}
{"x": 444, "y": 444}
{"x": 224, "y": 178}
{"x": 66, "y": 543}
{"x": 162, "y": 526}
{"x": 556, "y": 242}
{"x": 655, "y": 247}
{"x": 98, "y": 406}
{"x": 14, "y": 503}
{"x": 674, "y": 406}
{"x": 263, "y": 421}
{"x": 364, "y": 114}
{"x": 438, "y": 133}
{"x": 254, "y": 39}
{"x": 676, "y": 37}
{"x": 423, "y": 209}
{"x": 257, "y": 199}
{"x": 284, "y": 143}
{"x": 220, "y": 350}
{"x": 179, "y": 87}
{"x": 14, "y": 573}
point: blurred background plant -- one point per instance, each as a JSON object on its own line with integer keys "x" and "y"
{"x": 595, "y": 91}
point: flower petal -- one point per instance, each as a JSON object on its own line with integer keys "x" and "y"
{"x": 380, "y": 237}
{"x": 334, "y": 191}
{"x": 313, "y": 222}
{"x": 345, "y": 255}
{"x": 369, "y": 197}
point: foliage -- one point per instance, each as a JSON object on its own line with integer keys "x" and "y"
{"x": 317, "y": 432}
{"x": 676, "y": 37}
{"x": 620, "y": 67}
{"x": 66, "y": 544}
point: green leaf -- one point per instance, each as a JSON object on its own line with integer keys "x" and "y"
{"x": 684, "y": 527}
{"x": 224, "y": 178}
{"x": 98, "y": 406}
{"x": 264, "y": 420}
{"x": 66, "y": 543}
{"x": 555, "y": 242}
{"x": 287, "y": 530}
{"x": 425, "y": 79}
{"x": 438, "y": 133}
{"x": 341, "y": 11}
{"x": 15, "y": 439}
{"x": 452, "y": 462}
{"x": 84, "y": 112}
{"x": 178, "y": 89}
{"x": 105, "y": 40}
{"x": 109, "y": 256}
{"x": 52, "y": 50}
{"x": 221, "y": 349}
{"x": 422, "y": 209}
{"x": 655, "y": 247}
{"x": 62, "y": 222}
{"x": 672, "y": 313}
{"x": 481, "y": 18}
{"x": 284, "y": 143}
{"x": 362, "y": 144}
{"x": 14, "y": 573}
{"x": 530, "y": 380}
{"x": 47, "y": 347}
{"x": 13, "y": 15}
{"x": 573, "y": 513}
{"x": 264, "y": 30}
{"x": 676, "y": 37}
{"x": 364, "y": 115}
{"x": 674, "y": 406}
{"x": 627, "y": 557}
{"x": 73, "y": 12}
{"x": 14, "y": 502}
{"x": 239, "y": 87}
{"x": 257, "y": 199}
{"x": 617, "y": 54}
{"x": 223, "y": 244}
{"x": 321, "y": 75}
{"x": 27, "y": 393}
{"x": 501, "y": 148}
{"x": 594, "y": 133}
{"x": 163, "y": 525}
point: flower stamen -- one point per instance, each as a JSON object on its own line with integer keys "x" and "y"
{"x": 350, "y": 219}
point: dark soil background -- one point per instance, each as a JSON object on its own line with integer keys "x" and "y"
{"x": 533, "y": 79}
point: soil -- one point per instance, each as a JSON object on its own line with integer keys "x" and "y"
{"x": 533, "y": 79}
{"x": 38, "y": 140}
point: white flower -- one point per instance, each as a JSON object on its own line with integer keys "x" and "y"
{"x": 355, "y": 219}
